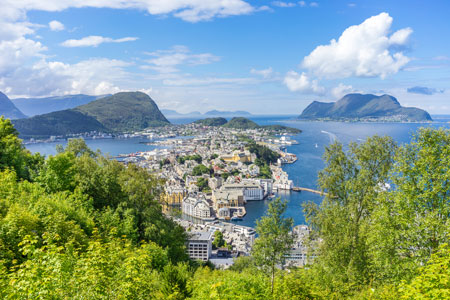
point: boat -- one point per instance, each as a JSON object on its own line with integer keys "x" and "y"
{"x": 316, "y": 146}
{"x": 236, "y": 218}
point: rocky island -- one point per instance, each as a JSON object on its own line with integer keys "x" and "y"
{"x": 364, "y": 107}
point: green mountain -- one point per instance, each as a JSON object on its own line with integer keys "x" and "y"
{"x": 212, "y": 121}
{"x": 244, "y": 123}
{"x": 39, "y": 106}
{"x": 365, "y": 108}
{"x": 8, "y": 109}
{"x": 241, "y": 123}
{"x": 127, "y": 111}
{"x": 122, "y": 112}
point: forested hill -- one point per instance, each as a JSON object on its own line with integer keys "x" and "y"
{"x": 8, "y": 109}
{"x": 244, "y": 123}
{"x": 122, "y": 112}
{"x": 365, "y": 108}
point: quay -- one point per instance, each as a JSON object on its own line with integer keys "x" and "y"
{"x": 299, "y": 189}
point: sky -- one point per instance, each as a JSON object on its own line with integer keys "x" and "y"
{"x": 265, "y": 57}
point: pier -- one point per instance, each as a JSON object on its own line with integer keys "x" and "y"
{"x": 299, "y": 189}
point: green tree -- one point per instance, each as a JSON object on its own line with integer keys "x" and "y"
{"x": 218, "y": 239}
{"x": 413, "y": 218}
{"x": 274, "y": 238}
{"x": 13, "y": 154}
{"x": 341, "y": 224}
{"x": 432, "y": 280}
{"x": 200, "y": 170}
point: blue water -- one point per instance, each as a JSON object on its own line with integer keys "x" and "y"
{"x": 304, "y": 171}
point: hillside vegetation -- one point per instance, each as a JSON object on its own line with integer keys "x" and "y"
{"x": 244, "y": 123}
{"x": 122, "y": 112}
{"x": 79, "y": 225}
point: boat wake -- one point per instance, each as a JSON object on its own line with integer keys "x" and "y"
{"x": 332, "y": 136}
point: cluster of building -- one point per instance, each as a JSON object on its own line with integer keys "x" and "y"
{"x": 211, "y": 175}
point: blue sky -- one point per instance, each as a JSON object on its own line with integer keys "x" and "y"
{"x": 259, "y": 56}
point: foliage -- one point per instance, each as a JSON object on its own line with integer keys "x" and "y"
{"x": 264, "y": 155}
{"x": 416, "y": 212}
{"x": 218, "y": 239}
{"x": 241, "y": 123}
{"x": 432, "y": 280}
{"x": 195, "y": 157}
{"x": 202, "y": 184}
{"x": 274, "y": 239}
{"x": 353, "y": 181}
{"x": 13, "y": 154}
{"x": 199, "y": 170}
{"x": 212, "y": 121}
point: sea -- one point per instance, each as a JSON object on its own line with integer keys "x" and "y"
{"x": 313, "y": 140}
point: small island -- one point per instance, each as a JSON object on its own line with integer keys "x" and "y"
{"x": 366, "y": 108}
{"x": 244, "y": 124}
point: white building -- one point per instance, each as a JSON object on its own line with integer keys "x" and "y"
{"x": 199, "y": 245}
{"x": 251, "y": 189}
{"x": 196, "y": 206}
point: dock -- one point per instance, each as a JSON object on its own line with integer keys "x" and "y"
{"x": 299, "y": 189}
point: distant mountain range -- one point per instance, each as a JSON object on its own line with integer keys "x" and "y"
{"x": 212, "y": 113}
{"x": 39, "y": 106}
{"x": 121, "y": 112}
{"x": 364, "y": 107}
{"x": 8, "y": 109}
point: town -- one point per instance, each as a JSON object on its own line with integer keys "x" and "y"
{"x": 210, "y": 174}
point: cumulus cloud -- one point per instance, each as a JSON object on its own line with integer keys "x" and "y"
{"x": 56, "y": 25}
{"x": 167, "y": 61}
{"x": 188, "y": 10}
{"x": 364, "y": 50}
{"x": 93, "y": 76}
{"x": 422, "y": 90}
{"x": 302, "y": 83}
{"x": 265, "y": 73}
{"x": 342, "y": 90}
{"x": 95, "y": 40}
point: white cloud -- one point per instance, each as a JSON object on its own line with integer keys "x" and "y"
{"x": 302, "y": 83}
{"x": 208, "y": 81}
{"x": 314, "y": 4}
{"x": 188, "y": 10}
{"x": 362, "y": 50}
{"x": 167, "y": 61}
{"x": 302, "y": 3}
{"x": 56, "y": 25}
{"x": 16, "y": 53}
{"x": 93, "y": 76}
{"x": 342, "y": 90}
{"x": 283, "y": 4}
{"x": 95, "y": 40}
{"x": 265, "y": 73}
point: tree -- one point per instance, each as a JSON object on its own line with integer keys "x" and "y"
{"x": 274, "y": 237}
{"x": 413, "y": 218}
{"x": 432, "y": 280}
{"x": 13, "y": 154}
{"x": 218, "y": 239}
{"x": 341, "y": 224}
